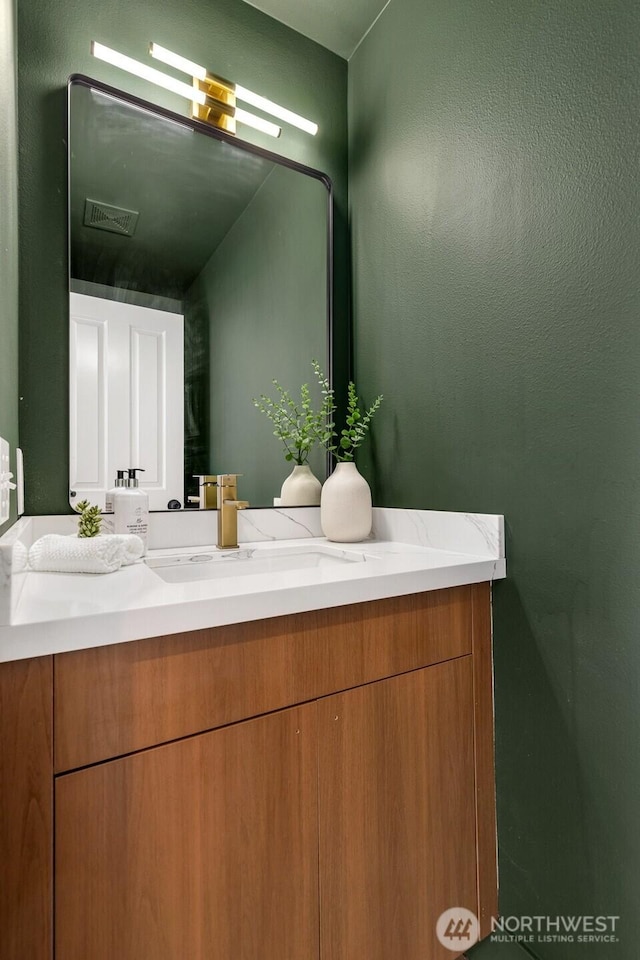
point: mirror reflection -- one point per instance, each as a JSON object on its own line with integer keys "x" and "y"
{"x": 198, "y": 273}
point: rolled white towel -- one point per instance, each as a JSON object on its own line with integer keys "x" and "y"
{"x": 57, "y": 554}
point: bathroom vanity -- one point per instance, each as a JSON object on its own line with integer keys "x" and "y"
{"x": 314, "y": 784}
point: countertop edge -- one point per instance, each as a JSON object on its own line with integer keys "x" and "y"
{"x": 44, "y": 638}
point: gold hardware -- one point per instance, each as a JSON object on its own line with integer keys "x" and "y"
{"x": 228, "y": 506}
{"x": 221, "y": 493}
{"x": 220, "y": 109}
{"x": 206, "y": 498}
{"x": 213, "y": 99}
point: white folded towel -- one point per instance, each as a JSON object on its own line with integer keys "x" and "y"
{"x": 104, "y": 554}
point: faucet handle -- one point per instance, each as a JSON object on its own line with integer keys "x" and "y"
{"x": 238, "y": 504}
{"x": 205, "y": 479}
{"x": 206, "y": 498}
{"x": 228, "y": 479}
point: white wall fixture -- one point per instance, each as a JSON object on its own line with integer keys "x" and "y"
{"x": 6, "y": 485}
{"x": 20, "y": 480}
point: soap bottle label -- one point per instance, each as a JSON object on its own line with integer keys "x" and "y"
{"x": 108, "y": 524}
{"x": 133, "y": 519}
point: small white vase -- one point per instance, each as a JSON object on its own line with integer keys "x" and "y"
{"x": 345, "y": 508}
{"x": 301, "y": 488}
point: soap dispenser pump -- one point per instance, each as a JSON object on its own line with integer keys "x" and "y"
{"x": 110, "y": 494}
{"x": 133, "y": 480}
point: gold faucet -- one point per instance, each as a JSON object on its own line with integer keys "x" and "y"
{"x": 228, "y": 506}
{"x": 206, "y": 498}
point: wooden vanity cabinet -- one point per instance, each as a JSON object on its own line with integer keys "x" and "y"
{"x": 313, "y": 787}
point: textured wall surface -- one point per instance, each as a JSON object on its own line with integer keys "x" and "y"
{"x": 494, "y": 207}
{"x": 230, "y": 37}
{"x": 8, "y": 234}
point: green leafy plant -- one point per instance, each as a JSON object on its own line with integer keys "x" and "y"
{"x": 296, "y": 423}
{"x": 358, "y": 422}
{"x": 90, "y": 519}
{"x": 357, "y": 426}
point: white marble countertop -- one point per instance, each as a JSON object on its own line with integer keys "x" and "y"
{"x": 57, "y": 612}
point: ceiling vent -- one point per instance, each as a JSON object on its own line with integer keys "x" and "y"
{"x": 103, "y": 216}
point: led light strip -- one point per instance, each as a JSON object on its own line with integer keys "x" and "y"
{"x": 247, "y": 96}
{"x": 146, "y": 73}
{"x": 175, "y": 60}
{"x": 267, "y": 106}
{"x": 176, "y": 86}
{"x": 257, "y": 123}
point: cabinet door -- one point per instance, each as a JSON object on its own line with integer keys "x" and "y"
{"x": 203, "y": 848}
{"x": 397, "y": 813}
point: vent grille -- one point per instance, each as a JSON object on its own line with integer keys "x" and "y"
{"x": 102, "y": 216}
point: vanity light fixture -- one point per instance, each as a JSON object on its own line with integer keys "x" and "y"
{"x": 213, "y": 99}
{"x": 241, "y": 93}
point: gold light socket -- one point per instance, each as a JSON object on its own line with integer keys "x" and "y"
{"x": 220, "y": 108}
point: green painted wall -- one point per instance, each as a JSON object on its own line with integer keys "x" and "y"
{"x": 8, "y": 235}
{"x": 495, "y": 236}
{"x": 229, "y": 36}
{"x": 124, "y": 295}
{"x": 264, "y": 295}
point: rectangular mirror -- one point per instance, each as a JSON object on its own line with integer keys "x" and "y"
{"x": 199, "y": 271}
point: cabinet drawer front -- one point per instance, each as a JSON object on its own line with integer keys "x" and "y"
{"x": 114, "y": 700}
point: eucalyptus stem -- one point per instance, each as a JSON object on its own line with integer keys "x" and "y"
{"x": 358, "y": 424}
{"x": 297, "y": 424}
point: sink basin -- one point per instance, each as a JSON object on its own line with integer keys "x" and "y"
{"x": 250, "y": 562}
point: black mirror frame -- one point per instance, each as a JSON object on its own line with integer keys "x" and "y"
{"x": 214, "y": 133}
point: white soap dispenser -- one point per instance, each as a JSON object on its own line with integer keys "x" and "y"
{"x": 108, "y": 522}
{"x": 131, "y": 508}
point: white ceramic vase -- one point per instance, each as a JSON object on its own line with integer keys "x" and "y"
{"x": 345, "y": 508}
{"x": 301, "y": 488}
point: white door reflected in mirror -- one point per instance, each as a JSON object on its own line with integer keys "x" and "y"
{"x": 126, "y": 398}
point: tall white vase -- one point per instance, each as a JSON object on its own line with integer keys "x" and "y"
{"x": 301, "y": 488}
{"x": 346, "y": 514}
